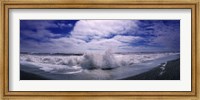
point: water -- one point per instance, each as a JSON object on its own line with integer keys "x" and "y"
{"x": 91, "y": 65}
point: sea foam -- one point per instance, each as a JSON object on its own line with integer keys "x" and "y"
{"x": 71, "y": 64}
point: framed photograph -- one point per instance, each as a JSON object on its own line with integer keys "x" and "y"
{"x": 102, "y": 49}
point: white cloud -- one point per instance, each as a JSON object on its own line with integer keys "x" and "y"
{"x": 97, "y": 29}
{"x": 43, "y": 33}
{"x": 39, "y": 24}
{"x": 102, "y": 35}
{"x": 168, "y": 36}
{"x": 64, "y": 25}
{"x": 127, "y": 39}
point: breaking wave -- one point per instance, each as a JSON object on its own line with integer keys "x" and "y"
{"x": 71, "y": 64}
{"x": 99, "y": 60}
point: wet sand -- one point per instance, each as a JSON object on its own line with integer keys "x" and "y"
{"x": 29, "y": 76}
{"x": 171, "y": 72}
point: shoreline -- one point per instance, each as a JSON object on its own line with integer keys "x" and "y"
{"x": 171, "y": 72}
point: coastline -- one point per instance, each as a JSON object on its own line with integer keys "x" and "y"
{"x": 171, "y": 72}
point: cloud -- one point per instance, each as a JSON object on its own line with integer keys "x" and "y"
{"x": 128, "y": 39}
{"x": 37, "y": 24}
{"x": 100, "y": 35}
{"x": 64, "y": 25}
{"x": 37, "y": 29}
{"x": 167, "y": 35}
{"x": 96, "y": 29}
{"x": 39, "y": 34}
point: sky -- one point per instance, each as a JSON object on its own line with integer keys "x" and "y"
{"x": 79, "y": 36}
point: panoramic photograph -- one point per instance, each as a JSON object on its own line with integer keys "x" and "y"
{"x": 100, "y": 49}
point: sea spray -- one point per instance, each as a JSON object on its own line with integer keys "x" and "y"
{"x": 109, "y": 60}
{"x": 53, "y": 71}
{"x": 94, "y": 60}
{"x": 101, "y": 61}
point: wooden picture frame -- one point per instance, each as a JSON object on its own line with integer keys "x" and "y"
{"x": 111, "y": 4}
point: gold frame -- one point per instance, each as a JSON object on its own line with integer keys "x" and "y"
{"x": 193, "y": 5}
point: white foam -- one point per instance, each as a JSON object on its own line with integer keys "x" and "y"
{"x": 75, "y": 64}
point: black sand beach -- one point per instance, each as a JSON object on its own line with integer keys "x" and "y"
{"x": 29, "y": 76}
{"x": 171, "y": 72}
